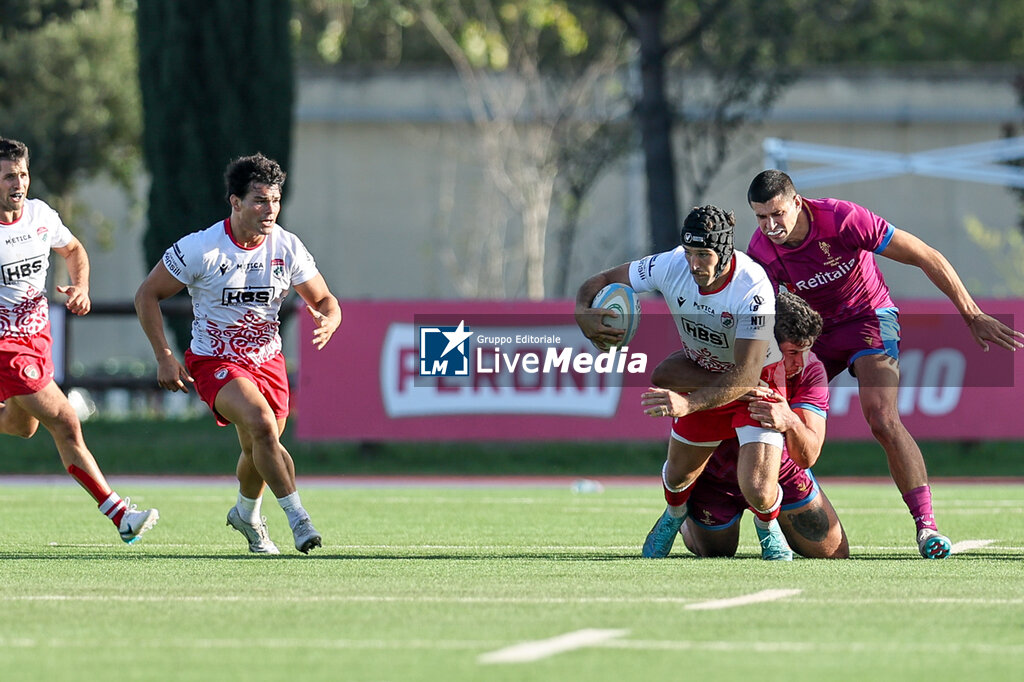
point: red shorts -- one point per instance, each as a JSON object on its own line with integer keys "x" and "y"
{"x": 714, "y": 425}
{"x": 212, "y": 374}
{"x": 26, "y": 364}
{"x": 720, "y": 423}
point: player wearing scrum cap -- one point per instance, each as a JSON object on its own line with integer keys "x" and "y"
{"x": 808, "y": 519}
{"x": 723, "y": 306}
{"x": 824, "y": 250}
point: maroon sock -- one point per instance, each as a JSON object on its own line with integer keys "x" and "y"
{"x": 919, "y": 502}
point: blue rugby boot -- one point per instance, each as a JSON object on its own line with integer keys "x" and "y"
{"x": 932, "y": 544}
{"x": 773, "y": 543}
{"x": 659, "y": 541}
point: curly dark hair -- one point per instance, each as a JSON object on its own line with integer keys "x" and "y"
{"x": 12, "y": 150}
{"x": 245, "y": 171}
{"x": 795, "y": 321}
{"x": 769, "y": 184}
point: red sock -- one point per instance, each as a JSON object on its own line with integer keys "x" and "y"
{"x": 676, "y": 498}
{"x": 114, "y": 507}
{"x": 110, "y": 503}
{"x": 919, "y": 502}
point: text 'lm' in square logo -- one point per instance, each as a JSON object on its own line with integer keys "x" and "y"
{"x": 444, "y": 351}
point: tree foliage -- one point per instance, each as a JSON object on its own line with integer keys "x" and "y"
{"x": 217, "y": 83}
{"x": 532, "y": 95}
{"x": 68, "y": 74}
{"x": 870, "y": 32}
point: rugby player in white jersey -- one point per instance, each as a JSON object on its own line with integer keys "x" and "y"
{"x": 238, "y": 272}
{"x": 29, "y": 230}
{"x": 723, "y": 305}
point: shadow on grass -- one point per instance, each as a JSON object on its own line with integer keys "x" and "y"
{"x": 463, "y": 556}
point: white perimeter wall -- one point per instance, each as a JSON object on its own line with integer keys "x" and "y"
{"x": 385, "y": 180}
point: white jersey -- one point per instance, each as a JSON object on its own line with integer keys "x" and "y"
{"x": 237, "y": 291}
{"x": 25, "y": 248}
{"x": 709, "y": 324}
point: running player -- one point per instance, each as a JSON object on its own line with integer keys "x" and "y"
{"x": 807, "y": 517}
{"x": 29, "y": 230}
{"x": 238, "y": 272}
{"x": 823, "y": 250}
{"x": 722, "y": 303}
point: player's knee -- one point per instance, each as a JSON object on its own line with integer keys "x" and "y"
{"x": 883, "y": 421}
{"x": 65, "y": 427}
{"x": 715, "y": 553}
{"x": 21, "y": 429}
{"x": 761, "y": 494}
{"x": 705, "y": 545}
{"x": 262, "y": 425}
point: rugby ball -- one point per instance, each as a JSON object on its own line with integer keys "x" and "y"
{"x": 623, "y": 300}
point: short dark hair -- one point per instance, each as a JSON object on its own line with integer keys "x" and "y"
{"x": 769, "y": 184}
{"x": 245, "y": 171}
{"x": 12, "y": 150}
{"x": 795, "y": 321}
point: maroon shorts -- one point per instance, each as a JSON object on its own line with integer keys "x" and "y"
{"x": 26, "y": 364}
{"x": 874, "y": 333}
{"x": 212, "y": 374}
{"x": 717, "y": 503}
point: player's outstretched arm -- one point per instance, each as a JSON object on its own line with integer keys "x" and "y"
{"x": 906, "y": 248}
{"x": 157, "y": 286}
{"x": 591, "y": 320}
{"x": 324, "y": 308}
{"x": 77, "y": 260}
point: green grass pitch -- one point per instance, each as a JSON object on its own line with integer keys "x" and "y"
{"x": 525, "y": 582}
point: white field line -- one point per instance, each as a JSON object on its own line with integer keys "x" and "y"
{"x": 784, "y": 648}
{"x": 246, "y": 644}
{"x": 789, "y": 648}
{"x": 957, "y": 548}
{"x": 966, "y": 545}
{"x": 346, "y": 598}
{"x": 893, "y": 511}
{"x": 743, "y": 600}
{"x": 523, "y": 550}
{"x": 527, "y": 652}
{"x": 957, "y": 601}
{"x": 454, "y": 599}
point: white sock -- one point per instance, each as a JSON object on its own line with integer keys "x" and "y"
{"x": 676, "y": 512}
{"x": 249, "y": 508}
{"x": 765, "y": 525}
{"x": 293, "y": 508}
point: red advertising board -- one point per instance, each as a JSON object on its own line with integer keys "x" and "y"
{"x": 531, "y": 377}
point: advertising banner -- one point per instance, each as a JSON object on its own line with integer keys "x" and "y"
{"x": 515, "y": 371}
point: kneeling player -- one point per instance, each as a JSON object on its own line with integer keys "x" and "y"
{"x": 807, "y": 518}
